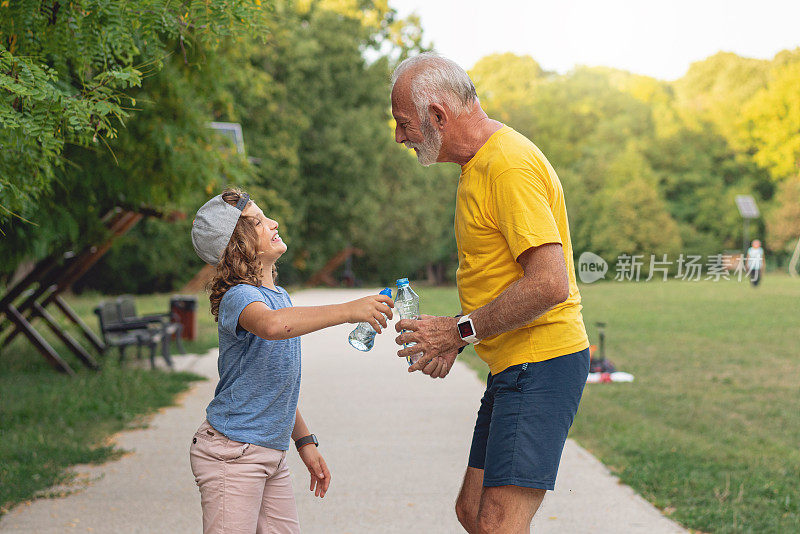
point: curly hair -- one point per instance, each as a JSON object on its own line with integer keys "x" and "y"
{"x": 239, "y": 263}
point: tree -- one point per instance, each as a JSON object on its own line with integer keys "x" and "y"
{"x": 314, "y": 114}
{"x": 612, "y": 134}
{"x": 783, "y": 222}
{"x": 772, "y": 118}
{"x": 165, "y": 158}
{"x": 506, "y": 83}
{"x": 627, "y": 214}
{"x": 66, "y": 71}
{"x": 715, "y": 89}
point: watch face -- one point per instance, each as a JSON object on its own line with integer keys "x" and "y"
{"x": 465, "y": 329}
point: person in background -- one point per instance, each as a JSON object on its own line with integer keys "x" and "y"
{"x": 755, "y": 262}
{"x": 238, "y": 455}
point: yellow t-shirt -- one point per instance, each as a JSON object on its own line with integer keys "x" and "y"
{"x": 510, "y": 199}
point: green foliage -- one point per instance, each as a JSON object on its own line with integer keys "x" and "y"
{"x": 773, "y": 119}
{"x": 507, "y": 82}
{"x": 155, "y": 256}
{"x": 165, "y": 157}
{"x": 632, "y": 216}
{"x": 783, "y": 222}
{"x": 647, "y": 166}
{"x": 713, "y": 91}
{"x": 408, "y": 224}
{"x": 66, "y": 69}
{"x": 314, "y": 115}
{"x": 752, "y": 103}
{"x": 644, "y": 171}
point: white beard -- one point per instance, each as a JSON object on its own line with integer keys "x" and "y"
{"x": 428, "y": 150}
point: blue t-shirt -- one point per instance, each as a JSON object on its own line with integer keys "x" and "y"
{"x": 259, "y": 379}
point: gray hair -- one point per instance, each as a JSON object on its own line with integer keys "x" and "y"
{"x": 437, "y": 79}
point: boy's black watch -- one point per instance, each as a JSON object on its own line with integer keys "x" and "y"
{"x": 311, "y": 438}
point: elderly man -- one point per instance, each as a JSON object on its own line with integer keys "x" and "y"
{"x": 520, "y": 304}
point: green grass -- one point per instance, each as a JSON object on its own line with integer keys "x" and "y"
{"x": 50, "y": 421}
{"x": 710, "y": 430}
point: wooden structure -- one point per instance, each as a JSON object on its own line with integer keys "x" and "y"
{"x": 200, "y": 280}
{"x": 325, "y": 275}
{"x": 27, "y": 300}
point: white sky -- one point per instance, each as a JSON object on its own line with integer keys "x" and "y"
{"x": 656, "y": 38}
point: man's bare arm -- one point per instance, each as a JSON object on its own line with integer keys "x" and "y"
{"x": 544, "y": 285}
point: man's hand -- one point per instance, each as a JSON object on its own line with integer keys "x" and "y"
{"x": 438, "y": 367}
{"x": 320, "y": 476}
{"x": 437, "y": 342}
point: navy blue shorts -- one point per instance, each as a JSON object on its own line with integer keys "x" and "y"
{"x": 524, "y": 418}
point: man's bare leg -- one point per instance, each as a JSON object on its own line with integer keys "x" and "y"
{"x": 508, "y": 509}
{"x": 469, "y": 499}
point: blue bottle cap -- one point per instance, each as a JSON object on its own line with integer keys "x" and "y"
{"x": 387, "y": 292}
{"x": 402, "y": 282}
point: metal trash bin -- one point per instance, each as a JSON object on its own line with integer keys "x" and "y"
{"x": 184, "y": 310}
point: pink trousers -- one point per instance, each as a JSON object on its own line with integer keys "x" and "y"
{"x": 244, "y": 488}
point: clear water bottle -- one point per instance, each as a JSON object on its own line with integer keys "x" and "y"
{"x": 363, "y": 336}
{"x": 406, "y": 302}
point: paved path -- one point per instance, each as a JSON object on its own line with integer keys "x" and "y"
{"x": 396, "y": 444}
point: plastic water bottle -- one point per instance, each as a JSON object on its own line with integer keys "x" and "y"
{"x": 406, "y": 302}
{"x": 363, "y": 336}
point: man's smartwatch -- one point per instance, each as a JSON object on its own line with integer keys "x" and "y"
{"x": 467, "y": 330}
{"x": 311, "y": 438}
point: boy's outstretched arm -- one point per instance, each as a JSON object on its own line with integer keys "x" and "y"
{"x": 286, "y": 323}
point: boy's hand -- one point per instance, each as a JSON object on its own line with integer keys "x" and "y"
{"x": 373, "y": 310}
{"x": 320, "y": 475}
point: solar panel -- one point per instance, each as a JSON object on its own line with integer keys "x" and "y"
{"x": 231, "y": 130}
{"x": 747, "y": 206}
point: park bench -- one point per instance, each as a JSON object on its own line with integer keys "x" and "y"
{"x": 122, "y": 327}
{"x": 168, "y": 322}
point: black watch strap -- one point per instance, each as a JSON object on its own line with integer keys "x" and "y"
{"x": 311, "y": 438}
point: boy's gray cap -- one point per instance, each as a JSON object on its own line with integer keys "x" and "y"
{"x": 213, "y": 227}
